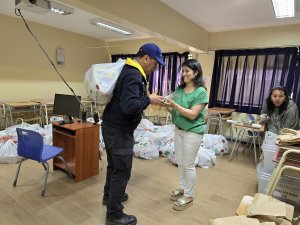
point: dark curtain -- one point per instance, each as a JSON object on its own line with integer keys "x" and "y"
{"x": 296, "y": 87}
{"x": 114, "y": 58}
{"x": 242, "y": 79}
{"x": 165, "y": 78}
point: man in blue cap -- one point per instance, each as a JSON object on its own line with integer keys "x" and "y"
{"x": 120, "y": 118}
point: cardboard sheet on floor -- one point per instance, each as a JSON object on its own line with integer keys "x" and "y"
{"x": 235, "y": 220}
{"x": 266, "y": 209}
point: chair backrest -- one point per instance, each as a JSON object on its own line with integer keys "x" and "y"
{"x": 30, "y": 144}
{"x": 214, "y": 118}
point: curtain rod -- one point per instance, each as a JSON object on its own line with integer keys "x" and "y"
{"x": 260, "y": 47}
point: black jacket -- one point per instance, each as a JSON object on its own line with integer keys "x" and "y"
{"x": 125, "y": 109}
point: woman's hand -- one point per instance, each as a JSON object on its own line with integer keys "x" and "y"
{"x": 169, "y": 103}
{"x": 263, "y": 118}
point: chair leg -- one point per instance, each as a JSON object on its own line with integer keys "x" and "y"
{"x": 66, "y": 165}
{"x": 254, "y": 145}
{"x": 234, "y": 149}
{"x": 220, "y": 126}
{"x": 248, "y": 142}
{"x": 259, "y": 146}
{"x": 231, "y": 132}
{"x": 240, "y": 140}
{"x": 46, "y": 177}
{"x": 45, "y": 168}
{"x": 18, "y": 171}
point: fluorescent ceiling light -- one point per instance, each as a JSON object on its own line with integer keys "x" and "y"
{"x": 284, "y": 8}
{"x": 111, "y": 26}
{"x": 61, "y": 9}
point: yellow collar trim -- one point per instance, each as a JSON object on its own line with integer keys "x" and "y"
{"x": 133, "y": 63}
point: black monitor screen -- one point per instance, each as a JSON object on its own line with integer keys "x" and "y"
{"x": 66, "y": 105}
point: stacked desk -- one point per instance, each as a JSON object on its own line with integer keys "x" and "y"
{"x": 216, "y": 115}
{"x": 12, "y": 107}
{"x": 46, "y": 105}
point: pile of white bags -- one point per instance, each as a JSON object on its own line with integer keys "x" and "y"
{"x": 211, "y": 146}
{"x": 100, "y": 80}
{"x": 152, "y": 141}
{"x": 216, "y": 143}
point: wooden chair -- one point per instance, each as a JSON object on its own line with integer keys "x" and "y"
{"x": 288, "y": 159}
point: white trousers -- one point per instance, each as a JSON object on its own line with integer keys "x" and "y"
{"x": 186, "y": 148}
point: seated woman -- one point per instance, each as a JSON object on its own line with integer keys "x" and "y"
{"x": 279, "y": 111}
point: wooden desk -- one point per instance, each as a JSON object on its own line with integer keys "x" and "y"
{"x": 46, "y": 104}
{"x": 222, "y": 111}
{"x": 216, "y": 115}
{"x": 80, "y": 142}
{"x": 11, "y": 106}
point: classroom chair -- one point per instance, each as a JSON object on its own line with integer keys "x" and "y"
{"x": 31, "y": 146}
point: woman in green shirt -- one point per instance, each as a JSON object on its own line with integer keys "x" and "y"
{"x": 188, "y": 111}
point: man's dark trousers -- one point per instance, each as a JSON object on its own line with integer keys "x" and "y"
{"x": 119, "y": 150}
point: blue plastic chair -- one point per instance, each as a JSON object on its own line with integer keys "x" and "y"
{"x": 31, "y": 146}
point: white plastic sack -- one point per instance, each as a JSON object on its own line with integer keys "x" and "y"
{"x": 100, "y": 80}
{"x": 145, "y": 150}
{"x": 8, "y": 152}
{"x": 217, "y": 143}
{"x": 145, "y": 124}
{"x": 270, "y": 138}
{"x": 172, "y": 158}
{"x": 205, "y": 158}
{"x": 167, "y": 148}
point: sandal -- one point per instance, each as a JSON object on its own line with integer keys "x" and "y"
{"x": 176, "y": 194}
{"x": 182, "y": 204}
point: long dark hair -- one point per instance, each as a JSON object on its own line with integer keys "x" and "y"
{"x": 194, "y": 65}
{"x": 270, "y": 104}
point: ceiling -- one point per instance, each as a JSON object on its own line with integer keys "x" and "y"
{"x": 226, "y": 15}
{"x": 212, "y": 15}
{"x": 77, "y": 22}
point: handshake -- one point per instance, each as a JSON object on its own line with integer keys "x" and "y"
{"x": 161, "y": 100}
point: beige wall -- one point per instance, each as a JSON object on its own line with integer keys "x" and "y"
{"x": 25, "y": 73}
{"x": 280, "y": 36}
{"x": 131, "y": 47}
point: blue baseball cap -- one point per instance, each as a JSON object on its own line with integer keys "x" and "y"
{"x": 153, "y": 51}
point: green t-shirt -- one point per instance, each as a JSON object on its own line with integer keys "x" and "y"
{"x": 188, "y": 100}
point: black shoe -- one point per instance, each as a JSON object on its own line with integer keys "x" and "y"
{"x": 124, "y": 220}
{"x": 124, "y": 199}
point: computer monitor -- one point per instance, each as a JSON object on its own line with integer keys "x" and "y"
{"x": 66, "y": 105}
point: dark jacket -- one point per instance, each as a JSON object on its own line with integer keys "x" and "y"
{"x": 125, "y": 109}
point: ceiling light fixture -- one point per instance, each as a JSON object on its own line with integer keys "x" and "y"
{"x": 61, "y": 9}
{"x": 111, "y": 26}
{"x": 284, "y": 8}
